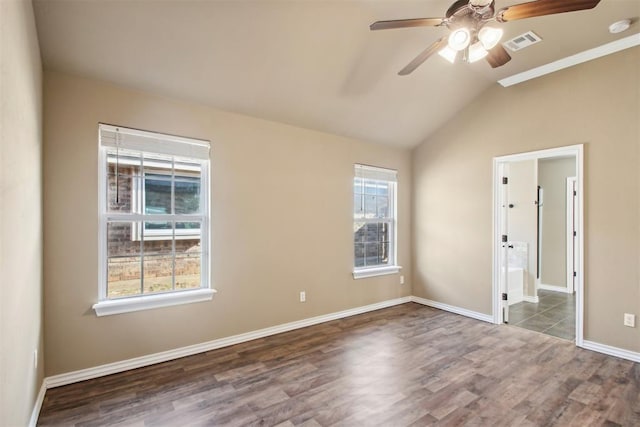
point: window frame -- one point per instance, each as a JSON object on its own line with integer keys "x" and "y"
{"x": 109, "y": 306}
{"x": 367, "y": 172}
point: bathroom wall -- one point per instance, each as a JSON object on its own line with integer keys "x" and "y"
{"x": 552, "y": 177}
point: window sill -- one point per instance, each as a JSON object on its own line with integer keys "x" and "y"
{"x": 126, "y": 305}
{"x": 376, "y": 271}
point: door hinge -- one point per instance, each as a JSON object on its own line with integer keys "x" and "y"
{"x": 505, "y": 180}
{"x": 575, "y": 234}
{"x": 574, "y": 274}
{"x": 504, "y": 297}
{"x": 575, "y": 193}
{"x": 504, "y": 238}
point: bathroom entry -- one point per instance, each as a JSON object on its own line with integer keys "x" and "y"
{"x": 537, "y": 246}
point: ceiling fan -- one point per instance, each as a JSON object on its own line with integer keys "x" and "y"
{"x": 470, "y": 34}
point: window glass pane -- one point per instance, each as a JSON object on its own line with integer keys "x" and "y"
{"x": 122, "y": 174}
{"x": 158, "y": 273}
{"x": 359, "y": 254}
{"x": 383, "y": 188}
{"x": 123, "y": 276}
{"x": 357, "y": 186}
{"x": 187, "y": 195}
{"x": 188, "y": 268}
{"x": 188, "y": 256}
{"x": 358, "y": 206}
{"x": 370, "y": 207}
{"x": 383, "y": 206}
{"x": 383, "y": 232}
{"x": 383, "y": 253}
{"x": 371, "y": 253}
{"x": 158, "y": 228}
{"x": 371, "y": 233}
{"x": 359, "y": 232}
{"x": 191, "y": 229}
{"x": 157, "y": 237}
{"x": 157, "y": 194}
{"x": 157, "y": 163}
{"x": 121, "y": 239}
{"x": 369, "y": 187}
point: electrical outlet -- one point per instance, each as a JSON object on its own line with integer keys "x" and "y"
{"x": 35, "y": 359}
{"x": 303, "y": 296}
{"x": 402, "y": 280}
{"x": 630, "y": 320}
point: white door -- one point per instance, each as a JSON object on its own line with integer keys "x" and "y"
{"x": 571, "y": 234}
{"x": 504, "y": 244}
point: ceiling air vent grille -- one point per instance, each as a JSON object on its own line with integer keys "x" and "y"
{"x": 522, "y": 41}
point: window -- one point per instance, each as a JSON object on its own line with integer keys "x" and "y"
{"x": 154, "y": 218}
{"x": 374, "y": 221}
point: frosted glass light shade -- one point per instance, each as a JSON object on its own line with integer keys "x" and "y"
{"x": 459, "y": 39}
{"x": 476, "y": 52}
{"x": 448, "y": 54}
{"x": 489, "y": 37}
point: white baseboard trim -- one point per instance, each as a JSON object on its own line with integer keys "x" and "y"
{"x": 453, "y": 309}
{"x": 138, "y": 362}
{"x": 33, "y": 421}
{"x": 527, "y": 298}
{"x": 554, "y": 288}
{"x": 611, "y": 351}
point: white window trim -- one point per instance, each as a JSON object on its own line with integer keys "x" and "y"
{"x": 105, "y": 306}
{"x": 361, "y": 273}
{"x": 372, "y": 172}
{"x": 146, "y": 302}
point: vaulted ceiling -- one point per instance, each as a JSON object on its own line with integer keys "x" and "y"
{"x": 313, "y": 64}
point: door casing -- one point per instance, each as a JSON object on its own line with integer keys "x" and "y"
{"x": 577, "y": 151}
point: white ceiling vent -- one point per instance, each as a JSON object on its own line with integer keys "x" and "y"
{"x": 522, "y": 41}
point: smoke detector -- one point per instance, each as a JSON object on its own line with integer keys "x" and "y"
{"x": 620, "y": 26}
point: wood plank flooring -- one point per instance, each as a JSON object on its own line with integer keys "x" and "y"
{"x": 401, "y": 366}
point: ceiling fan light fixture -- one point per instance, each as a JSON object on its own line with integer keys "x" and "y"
{"x": 489, "y": 37}
{"x": 459, "y": 39}
{"x": 448, "y": 54}
{"x": 476, "y": 52}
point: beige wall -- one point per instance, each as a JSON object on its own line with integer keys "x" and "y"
{"x": 596, "y": 103}
{"x": 552, "y": 177}
{"x": 20, "y": 213}
{"x": 522, "y": 217}
{"x": 281, "y": 223}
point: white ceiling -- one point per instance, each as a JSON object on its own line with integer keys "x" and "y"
{"x": 310, "y": 63}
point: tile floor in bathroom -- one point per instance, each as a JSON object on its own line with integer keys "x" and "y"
{"x": 554, "y": 314}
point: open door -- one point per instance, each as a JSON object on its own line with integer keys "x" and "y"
{"x": 504, "y": 244}
{"x": 571, "y": 234}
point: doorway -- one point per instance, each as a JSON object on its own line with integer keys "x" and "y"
{"x": 538, "y": 235}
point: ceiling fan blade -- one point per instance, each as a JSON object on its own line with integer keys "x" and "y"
{"x": 498, "y": 56}
{"x": 542, "y": 8}
{"x": 418, "y": 60}
{"x": 406, "y": 23}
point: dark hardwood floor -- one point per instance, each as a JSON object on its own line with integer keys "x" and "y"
{"x": 405, "y": 365}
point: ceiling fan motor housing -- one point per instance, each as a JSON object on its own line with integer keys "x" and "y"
{"x": 463, "y": 13}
